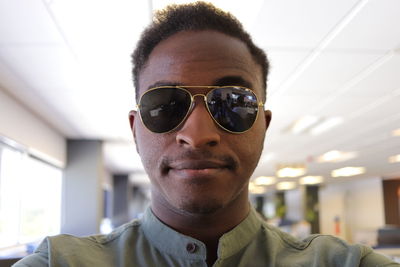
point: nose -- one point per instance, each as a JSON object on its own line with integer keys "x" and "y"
{"x": 199, "y": 129}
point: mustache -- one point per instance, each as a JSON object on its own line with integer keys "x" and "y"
{"x": 196, "y": 154}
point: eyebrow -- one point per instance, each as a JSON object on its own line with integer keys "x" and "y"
{"x": 224, "y": 81}
{"x": 164, "y": 83}
{"x": 233, "y": 80}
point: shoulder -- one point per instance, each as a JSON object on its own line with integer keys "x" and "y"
{"x": 70, "y": 243}
{"x": 69, "y": 247}
{"x": 318, "y": 241}
{"x": 326, "y": 250}
{"x": 122, "y": 232}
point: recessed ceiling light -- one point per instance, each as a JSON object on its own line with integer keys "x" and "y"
{"x": 336, "y": 156}
{"x": 396, "y": 132}
{"x": 291, "y": 171}
{"x": 348, "y": 171}
{"x": 285, "y": 185}
{"x": 256, "y": 189}
{"x": 326, "y": 124}
{"x": 311, "y": 180}
{"x": 394, "y": 159}
{"x": 303, "y": 124}
{"x": 264, "y": 180}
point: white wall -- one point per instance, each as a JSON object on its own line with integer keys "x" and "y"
{"x": 20, "y": 125}
{"x": 294, "y": 205}
{"x": 358, "y": 203}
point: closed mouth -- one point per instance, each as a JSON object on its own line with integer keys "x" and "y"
{"x": 197, "y": 165}
{"x": 197, "y": 161}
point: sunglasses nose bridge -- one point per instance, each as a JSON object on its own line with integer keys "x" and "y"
{"x": 203, "y": 95}
{"x": 193, "y": 104}
{"x": 193, "y": 99}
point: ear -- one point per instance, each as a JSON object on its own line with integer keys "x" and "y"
{"x": 132, "y": 116}
{"x": 268, "y": 117}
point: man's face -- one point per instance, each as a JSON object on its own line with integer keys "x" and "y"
{"x": 199, "y": 167}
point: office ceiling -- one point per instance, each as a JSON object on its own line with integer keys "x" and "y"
{"x": 331, "y": 60}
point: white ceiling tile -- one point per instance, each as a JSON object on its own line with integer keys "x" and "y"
{"x": 375, "y": 27}
{"x": 381, "y": 145}
{"x": 16, "y": 86}
{"x": 43, "y": 66}
{"x": 381, "y": 81}
{"x": 344, "y": 106}
{"x": 77, "y": 96}
{"x": 289, "y": 108}
{"x": 291, "y": 23}
{"x": 386, "y": 114}
{"x": 329, "y": 72}
{"x": 95, "y": 29}
{"x": 247, "y": 16}
{"x": 282, "y": 63}
{"x": 357, "y": 133}
{"x": 26, "y": 22}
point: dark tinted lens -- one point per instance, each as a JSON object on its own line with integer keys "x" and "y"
{"x": 163, "y": 109}
{"x": 234, "y": 108}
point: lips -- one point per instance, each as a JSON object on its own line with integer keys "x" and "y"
{"x": 197, "y": 162}
{"x": 197, "y": 169}
{"x": 197, "y": 165}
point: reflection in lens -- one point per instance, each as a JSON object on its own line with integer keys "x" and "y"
{"x": 163, "y": 109}
{"x": 234, "y": 108}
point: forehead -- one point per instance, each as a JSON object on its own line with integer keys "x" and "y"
{"x": 200, "y": 58}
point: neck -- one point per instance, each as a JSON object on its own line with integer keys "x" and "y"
{"x": 207, "y": 228}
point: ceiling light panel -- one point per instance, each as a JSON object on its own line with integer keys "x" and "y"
{"x": 291, "y": 171}
{"x": 336, "y": 156}
{"x": 256, "y": 189}
{"x": 264, "y": 180}
{"x": 326, "y": 125}
{"x": 396, "y": 132}
{"x": 348, "y": 171}
{"x": 394, "y": 159}
{"x": 303, "y": 124}
{"x": 309, "y": 180}
{"x": 286, "y": 185}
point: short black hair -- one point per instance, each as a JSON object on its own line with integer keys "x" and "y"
{"x": 192, "y": 17}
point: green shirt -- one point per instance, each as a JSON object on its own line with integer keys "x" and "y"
{"x": 148, "y": 242}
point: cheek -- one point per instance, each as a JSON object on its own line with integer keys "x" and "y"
{"x": 251, "y": 144}
{"x": 149, "y": 146}
{"x": 250, "y": 151}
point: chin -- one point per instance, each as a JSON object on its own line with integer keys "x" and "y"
{"x": 204, "y": 207}
{"x": 203, "y": 202}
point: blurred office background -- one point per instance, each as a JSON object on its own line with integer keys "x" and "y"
{"x": 331, "y": 162}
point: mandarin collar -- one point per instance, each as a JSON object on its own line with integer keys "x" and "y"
{"x": 169, "y": 241}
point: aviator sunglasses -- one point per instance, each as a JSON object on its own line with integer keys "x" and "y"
{"x": 234, "y": 108}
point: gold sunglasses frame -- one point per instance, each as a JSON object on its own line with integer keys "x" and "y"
{"x": 192, "y": 104}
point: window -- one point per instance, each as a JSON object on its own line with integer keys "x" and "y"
{"x": 30, "y": 198}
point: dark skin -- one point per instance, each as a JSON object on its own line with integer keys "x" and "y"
{"x": 200, "y": 172}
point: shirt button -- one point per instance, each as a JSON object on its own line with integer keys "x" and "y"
{"x": 191, "y": 247}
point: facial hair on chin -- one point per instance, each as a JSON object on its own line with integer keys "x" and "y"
{"x": 205, "y": 207}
